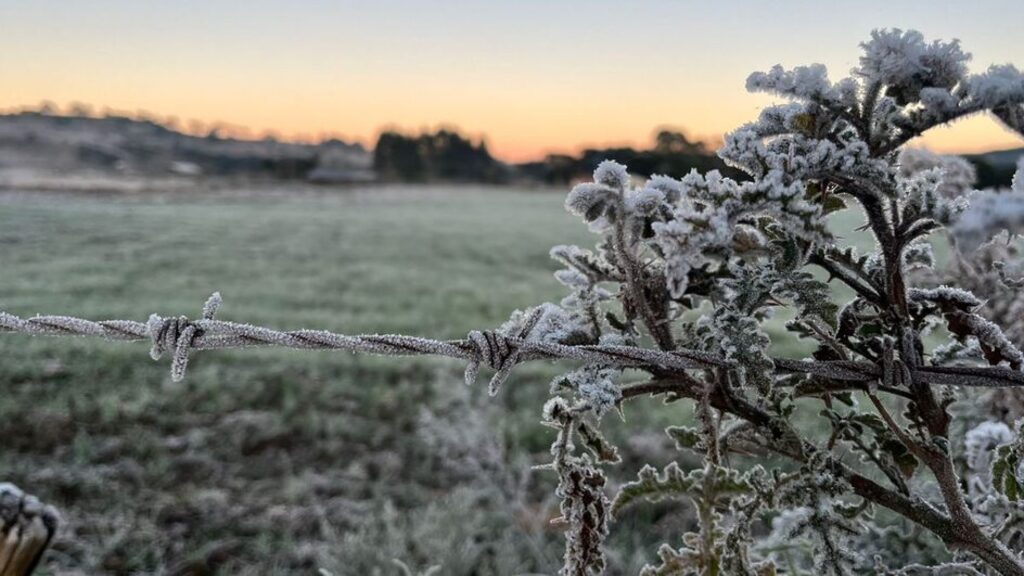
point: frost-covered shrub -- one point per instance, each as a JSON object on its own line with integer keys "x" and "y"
{"x": 883, "y": 483}
{"x": 988, "y": 260}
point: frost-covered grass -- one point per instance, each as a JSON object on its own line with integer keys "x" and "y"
{"x": 275, "y": 459}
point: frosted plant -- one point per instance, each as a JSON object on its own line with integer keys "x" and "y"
{"x": 732, "y": 251}
{"x": 958, "y": 175}
{"x": 988, "y": 211}
{"x": 988, "y": 260}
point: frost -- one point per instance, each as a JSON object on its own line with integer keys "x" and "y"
{"x": 705, "y": 221}
{"x": 591, "y": 201}
{"x": 808, "y": 82}
{"x": 786, "y": 523}
{"x": 905, "y": 63}
{"x": 645, "y": 201}
{"x": 713, "y": 257}
{"x": 988, "y": 213}
{"x": 919, "y": 255}
{"x": 1018, "y": 177}
{"x": 612, "y": 174}
{"x": 593, "y": 385}
{"x": 997, "y": 86}
{"x": 947, "y": 295}
{"x": 980, "y": 443}
{"x": 923, "y": 198}
{"x": 958, "y": 176}
{"x": 555, "y": 325}
{"x": 670, "y": 188}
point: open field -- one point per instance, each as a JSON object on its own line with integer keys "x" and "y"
{"x": 279, "y": 461}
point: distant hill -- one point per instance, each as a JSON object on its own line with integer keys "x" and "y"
{"x": 114, "y": 145}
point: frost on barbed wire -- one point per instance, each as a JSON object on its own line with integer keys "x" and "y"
{"x": 674, "y": 301}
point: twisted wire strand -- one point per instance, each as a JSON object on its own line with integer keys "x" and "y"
{"x": 499, "y": 352}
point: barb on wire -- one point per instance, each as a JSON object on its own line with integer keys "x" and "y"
{"x": 498, "y": 351}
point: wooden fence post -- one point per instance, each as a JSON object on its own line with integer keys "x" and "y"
{"x": 27, "y": 527}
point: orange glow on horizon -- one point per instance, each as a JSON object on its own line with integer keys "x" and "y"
{"x": 572, "y": 76}
{"x": 508, "y": 139}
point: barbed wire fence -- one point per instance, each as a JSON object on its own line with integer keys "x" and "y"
{"x": 27, "y": 526}
{"x": 178, "y": 335}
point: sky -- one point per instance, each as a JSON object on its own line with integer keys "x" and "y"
{"x": 533, "y": 77}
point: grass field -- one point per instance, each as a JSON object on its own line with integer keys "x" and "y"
{"x": 278, "y": 461}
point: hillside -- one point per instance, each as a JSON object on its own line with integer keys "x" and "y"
{"x": 33, "y": 144}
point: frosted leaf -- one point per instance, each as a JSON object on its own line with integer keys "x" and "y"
{"x": 892, "y": 56}
{"x": 905, "y": 63}
{"x": 947, "y": 295}
{"x": 980, "y": 443}
{"x": 593, "y": 385}
{"x": 937, "y": 104}
{"x": 958, "y": 176}
{"x": 919, "y": 255}
{"x": 572, "y": 278}
{"x": 670, "y": 188}
{"x": 806, "y": 82}
{"x": 645, "y": 201}
{"x": 922, "y": 198}
{"x": 555, "y": 325}
{"x": 997, "y": 86}
{"x": 555, "y": 409}
{"x": 787, "y": 523}
{"x": 987, "y": 214}
{"x": 586, "y": 262}
{"x": 612, "y": 174}
{"x": 706, "y": 220}
{"x": 997, "y": 347}
{"x": 590, "y": 200}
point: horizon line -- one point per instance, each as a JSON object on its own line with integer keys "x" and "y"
{"x": 235, "y": 131}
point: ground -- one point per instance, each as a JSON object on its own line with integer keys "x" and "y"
{"x": 282, "y": 461}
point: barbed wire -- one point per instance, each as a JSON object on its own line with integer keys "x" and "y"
{"x": 498, "y": 351}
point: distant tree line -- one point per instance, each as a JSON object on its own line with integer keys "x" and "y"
{"x": 443, "y": 155}
{"x": 992, "y": 174}
{"x": 673, "y": 154}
